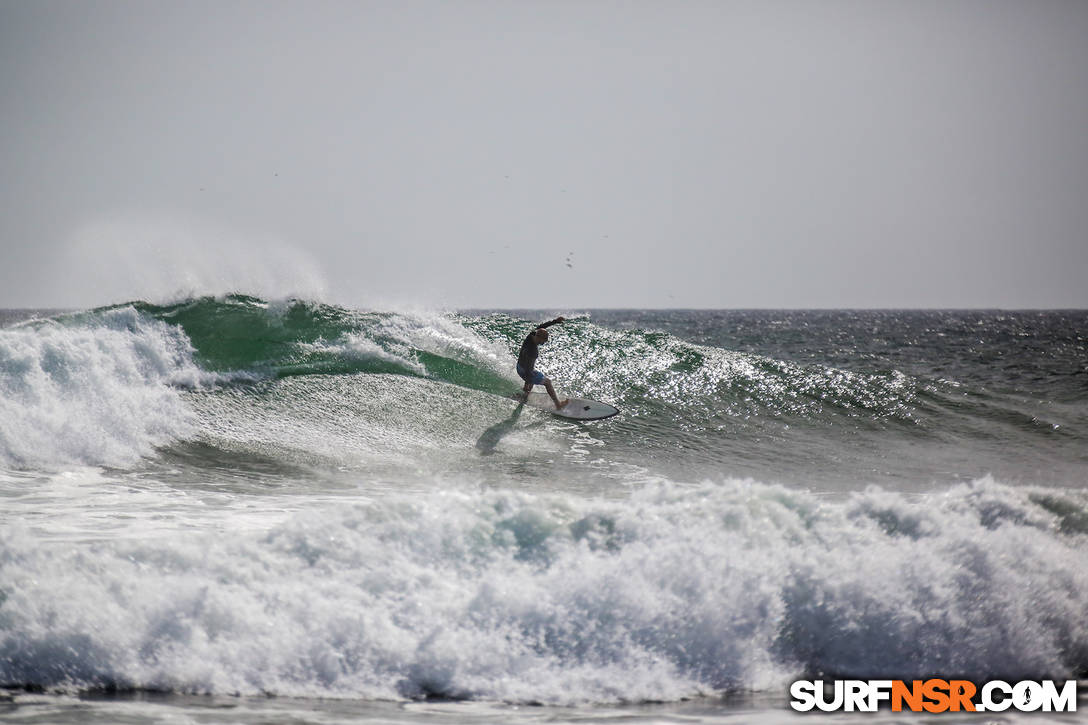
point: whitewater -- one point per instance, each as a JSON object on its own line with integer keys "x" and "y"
{"x": 233, "y": 509}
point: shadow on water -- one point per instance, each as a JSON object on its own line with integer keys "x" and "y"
{"x": 491, "y": 437}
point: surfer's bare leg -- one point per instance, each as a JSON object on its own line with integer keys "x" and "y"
{"x": 555, "y": 398}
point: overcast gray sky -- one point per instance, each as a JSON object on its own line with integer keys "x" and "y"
{"x": 561, "y": 154}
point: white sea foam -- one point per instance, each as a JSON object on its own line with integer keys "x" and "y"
{"x": 97, "y": 392}
{"x": 398, "y": 339}
{"x": 673, "y": 591}
{"x": 437, "y": 334}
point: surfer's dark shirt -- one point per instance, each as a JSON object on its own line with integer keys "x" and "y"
{"x": 529, "y": 349}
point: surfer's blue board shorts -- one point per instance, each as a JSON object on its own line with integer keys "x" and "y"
{"x": 538, "y": 377}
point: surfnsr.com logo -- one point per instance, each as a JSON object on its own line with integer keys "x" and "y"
{"x": 933, "y": 695}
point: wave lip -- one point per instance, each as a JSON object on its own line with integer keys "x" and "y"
{"x": 675, "y": 592}
{"x": 97, "y": 392}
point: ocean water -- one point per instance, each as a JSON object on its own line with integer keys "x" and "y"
{"x": 239, "y": 510}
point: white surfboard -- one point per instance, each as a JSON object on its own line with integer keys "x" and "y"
{"x": 576, "y": 409}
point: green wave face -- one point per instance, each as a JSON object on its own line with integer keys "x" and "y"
{"x": 243, "y": 334}
{"x": 649, "y": 374}
{"x": 246, "y": 333}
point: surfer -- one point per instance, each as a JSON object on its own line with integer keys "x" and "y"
{"x": 527, "y": 362}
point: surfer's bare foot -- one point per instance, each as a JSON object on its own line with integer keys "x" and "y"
{"x": 560, "y": 405}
